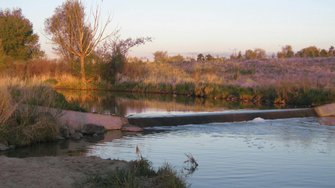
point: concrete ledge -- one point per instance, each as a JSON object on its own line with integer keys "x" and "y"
{"x": 325, "y": 110}
{"x": 203, "y": 118}
{"x": 77, "y": 120}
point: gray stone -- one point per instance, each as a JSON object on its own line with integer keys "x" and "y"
{"x": 11, "y": 147}
{"x": 64, "y": 132}
{"x": 60, "y": 138}
{"x": 3, "y": 147}
{"x": 77, "y": 136}
{"x": 92, "y": 129}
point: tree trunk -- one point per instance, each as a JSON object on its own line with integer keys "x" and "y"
{"x": 82, "y": 69}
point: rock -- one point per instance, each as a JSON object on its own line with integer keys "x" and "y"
{"x": 64, "y": 132}
{"x": 92, "y": 129}
{"x": 77, "y": 136}
{"x": 3, "y": 147}
{"x": 131, "y": 128}
{"x": 60, "y": 138}
{"x": 11, "y": 147}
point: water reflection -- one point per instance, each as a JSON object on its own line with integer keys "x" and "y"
{"x": 65, "y": 147}
{"x": 282, "y": 153}
{"x": 128, "y": 103}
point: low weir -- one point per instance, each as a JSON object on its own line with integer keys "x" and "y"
{"x": 232, "y": 116}
{"x": 134, "y": 123}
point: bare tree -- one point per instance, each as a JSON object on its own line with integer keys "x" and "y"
{"x": 74, "y": 33}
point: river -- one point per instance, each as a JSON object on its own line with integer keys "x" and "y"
{"x": 297, "y": 152}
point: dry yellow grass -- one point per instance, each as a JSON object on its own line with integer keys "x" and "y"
{"x": 7, "y": 107}
{"x": 21, "y": 124}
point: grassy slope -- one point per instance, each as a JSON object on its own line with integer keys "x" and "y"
{"x": 302, "y": 82}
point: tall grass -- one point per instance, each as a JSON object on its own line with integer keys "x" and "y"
{"x": 315, "y": 73}
{"x": 295, "y": 82}
{"x": 7, "y": 107}
{"x": 22, "y": 121}
{"x": 138, "y": 174}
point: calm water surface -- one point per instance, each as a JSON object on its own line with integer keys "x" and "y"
{"x": 272, "y": 153}
{"x": 261, "y": 153}
{"x": 128, "y": 104}
{"x": 278, "y": 153}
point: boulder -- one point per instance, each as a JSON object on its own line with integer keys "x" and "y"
{"x": 3, "y": 147}
{"x": 92, "y": 129}
{"x": 64, "y": 132}
{"x": 77, "y": 136}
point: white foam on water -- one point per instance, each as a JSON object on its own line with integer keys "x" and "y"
{"x": 258, "y": 119}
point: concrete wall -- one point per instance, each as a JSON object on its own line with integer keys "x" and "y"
{"x": 237, "y": 116}
{"x": 77, "y": 119}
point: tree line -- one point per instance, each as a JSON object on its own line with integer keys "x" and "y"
{"x": 286, "y": 52}
{"x": 258, "y": 53}
{"x": 82, "y": 40}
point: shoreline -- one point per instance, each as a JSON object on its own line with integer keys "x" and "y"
{"x": 85, "y": 172}
{"x": 53, "y": 171}
{"x": 296, "y": 96}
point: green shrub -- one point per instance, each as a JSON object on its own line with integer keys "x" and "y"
{"x": 139, "y": 173}
{"x": 41, "y": 95}
{"x": 51, "y": 81}
{"x": 310, "y": 97}
{"x": 246, "y": 72}
{"x": 22, "y": 121}
{"x": 185, "y": 89}
{"x": 25, "y": 129}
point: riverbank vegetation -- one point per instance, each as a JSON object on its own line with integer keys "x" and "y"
{"x": 92, "y": 59}
{"x": 139, "y": 173}
{"x": 22, "y": 120}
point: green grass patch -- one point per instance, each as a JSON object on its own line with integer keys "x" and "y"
{"x": 292, "y": 96}
{"x": 139, "y": 173}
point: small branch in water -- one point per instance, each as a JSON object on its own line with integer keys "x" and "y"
{"x": 192, "y": 164}
{"x": 138, "y": 153}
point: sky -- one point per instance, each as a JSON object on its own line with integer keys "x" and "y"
{"x": 203, "y": 26}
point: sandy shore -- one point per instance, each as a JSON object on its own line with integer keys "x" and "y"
{"x": 57, "y": 172}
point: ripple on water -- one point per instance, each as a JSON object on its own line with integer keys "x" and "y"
{"x": 281, "y": 153}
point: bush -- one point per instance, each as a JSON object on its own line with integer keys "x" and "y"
{"x": 41, "y": 95}
{"x": 185, "y": 89}
{"x": 139, "y": 173}
{"x": 24, "y": 129}
{"x": 22, "y": 121}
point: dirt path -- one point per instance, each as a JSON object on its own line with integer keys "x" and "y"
{"x": 52, "y": 172}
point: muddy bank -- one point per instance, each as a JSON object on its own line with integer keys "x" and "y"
{"x": 53, "y": 171}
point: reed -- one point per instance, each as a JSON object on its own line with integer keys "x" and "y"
{"x": 139, "y": 173}
{"x": 22, "y": 121}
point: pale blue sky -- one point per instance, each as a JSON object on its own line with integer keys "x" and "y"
{"x": 217, "y": 26}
